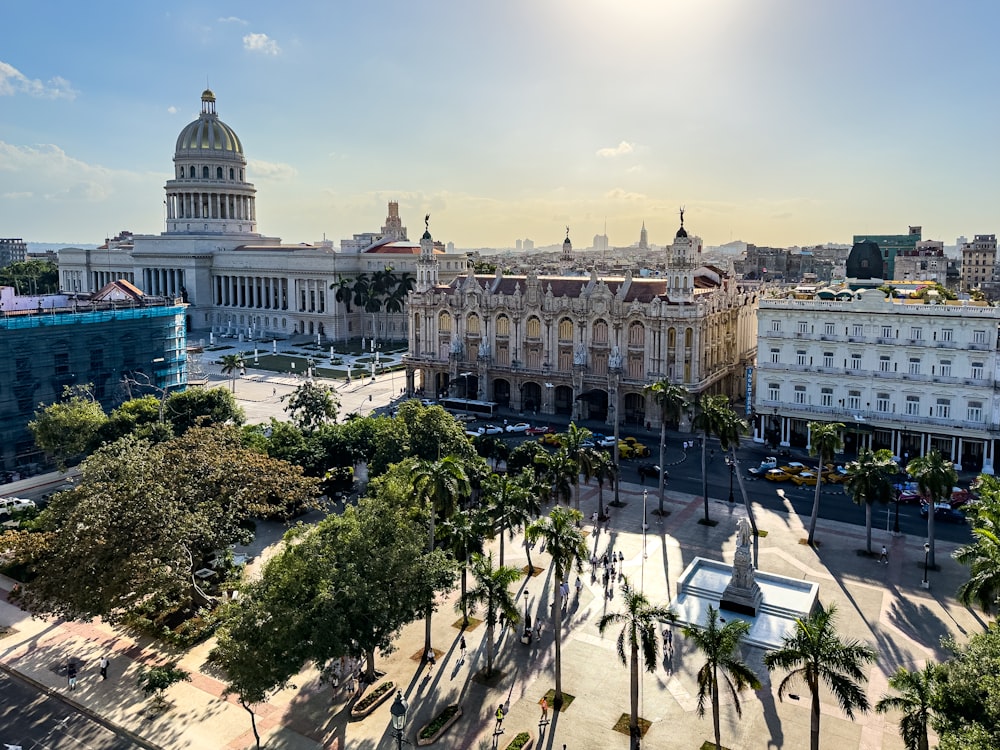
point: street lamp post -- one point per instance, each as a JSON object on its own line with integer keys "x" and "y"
{"x": 645, "y": 493}
{"x": 527, "y": 620}
{"x": 616, "y": 373}
{"x": 927, "y": 551}
{"x": 732, "y": 471}
{"x": 398, "y": 711}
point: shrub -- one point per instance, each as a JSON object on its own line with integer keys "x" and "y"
{"x": 373, "y": 696}
{"x": 519, "y": 741}
{"x": 442, "y": 718}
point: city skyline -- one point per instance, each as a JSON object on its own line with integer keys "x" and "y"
{"x": 779, "y": 123}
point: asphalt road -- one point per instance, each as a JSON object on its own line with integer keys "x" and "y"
{"x": 35, "y": 721}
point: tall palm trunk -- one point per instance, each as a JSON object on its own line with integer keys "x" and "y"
{"x": 814, "y": 715}
{"x": 704, "y": 472}
{"x": 633, "y": 724}
{"x": 930, "y": 534}
{"x": 815, "y": 510}
{"x": 557, "y": 625}
{"x": 430, "y": 604}
{"x": 663, "y": 448}
{"x": 527, "y": 551}
{"x": 465, "y": 604}
{"x": 600, "y": 499}
{"x": 715, "y": 708}
{"x": 490, "y": 634}
{"x": 503, "y": 530}
{"x": 868, "y": 526}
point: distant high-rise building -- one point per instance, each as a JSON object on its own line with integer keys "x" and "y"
{"x": 601, "y": 242}
{"x": 643, "y": 238}
{"x": 979, "y": 259}
{"x": 518, "y": 245}
{"x": 13, "y": 250}
{"x": 529, "y": 245}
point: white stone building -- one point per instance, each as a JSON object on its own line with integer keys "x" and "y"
{"x": 899, "y": 374}
{"x": 236, "y": 280}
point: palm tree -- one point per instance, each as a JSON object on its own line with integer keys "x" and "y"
{"x": 602, "y": 469}
{"x": 714, "y": 417}
{"x": 525, "y": 507}
{"x": 639, "y": 621}
{"x": 916, "y": 690}
{"x": 816, "y": 654}
{"x": 564, "y": 542}
{"x": 438, "y": 485}
{"x": 573, "y": 441}
{"x": 462, "y": 535}
{"x": 502, "y": 493}
{"x": 231, "y": 364}
{"x": 869, "y": 480}
{"x": 558, "y": 473}
{"x": 344, "y": 295}
{"x": 824, "y": 441}
{"x": 935, "y": 477}
{"x": 720, "y": 646}
{"x": 983, "y": 555}
{"x": 492, "y": 592}
{"x": 672, "y": 401}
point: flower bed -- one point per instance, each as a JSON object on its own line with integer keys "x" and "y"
{"x": 378, "y": 695}
{"x": 430, "y": 733}
{"x": 523, "y": 741}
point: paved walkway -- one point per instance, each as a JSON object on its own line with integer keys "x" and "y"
{"x": 883, "y": 605}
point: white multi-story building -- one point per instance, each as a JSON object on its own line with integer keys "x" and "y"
{"x": 235, "y": 280}
{"x": 899, "y": 374}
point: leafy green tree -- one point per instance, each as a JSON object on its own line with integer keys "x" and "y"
{"x": 233, "y": 365}
{"x": 31, "y": 277}
{"x": 137, "y": 415}
{"x": 672, "y": 402}
{"x": 824, "y": 442}
{"x": 143, "y": 518}
{"x": 639, "y": 620}
{"x": 935, "y": 477}
{"x": 816, "y": 654}
{"x": 565, "y": 544}
{"x": 202, "y": 407}
{"x": 156, "y": 680}
{"x": 915, "y": 692}
{"x": 492, "y": 593}
{"x": 439, "y": 486}
{"x": 869, "y": 480}
{"x": 720, "y": 645}
{"x": 523, "y": 456}
{"x": 67, "y": 429}
{"x": 982, "y": 556}
{"x": 312, "y": 405}
{"x": 492, "y": 447}
{"x": 966, "y": 701}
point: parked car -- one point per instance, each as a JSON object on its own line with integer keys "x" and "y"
{"x": 804, "y": 478}
{"x": 776, "y": 475}
{"x": 475, "y": 432}
{"x": 768, "y": 463}
{"x": 793, "y": 467}
{"x": 652, "y": 470}
{"x": 15, "y": 504}
{"x": 492, "y": 429}
{"x": 638, "y": 449}
{"x": 604, "y": 441}
{"x": 549, "y": 438}
{"x": 427, "y": 402}
{"x": 943, "y": 512}
{"x": 539, "y": 430}
{"x": 518, "y": 427}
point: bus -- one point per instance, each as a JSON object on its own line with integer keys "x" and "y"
{"x": 482, "y": 409}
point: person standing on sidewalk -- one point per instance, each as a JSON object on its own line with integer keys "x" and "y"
{"x": 104, "y": 667}
{"x": 71, "y": 674}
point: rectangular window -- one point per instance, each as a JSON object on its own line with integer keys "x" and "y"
{"x": 913, "y": 406}
{"x": 887, "y": 332}
{"x": 800, "y": 394}
{"x": 776, "y": 326}
{"x": 942, "y": 409}
{"x": 775, "y": 356}
{"x": 800, "y": 357}
{"x": 854, "y": 399}
{"x": 883, "y": 363}
{"x": 773, "y": 392}
{"x": 914, "y": 365}
{"x": 828, "y": 329}
{"x": 977, "y": 370}
{"x": 858, "y": 330}
{"x": 946, "y": 334}
{"x": 979, "y": 337}
{"x": 855, "y": 361}
{"x": 826, "y": 396}
{"x": 803, "y": 326}
{"x": 827, "y": 359}
{"x": 975, "y": 413}
{"x": 916, "y": 333}
{"x": 946, "y": 368}
{"x": 882, "y": 402}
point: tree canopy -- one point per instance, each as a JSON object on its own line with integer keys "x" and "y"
{"x": 67, "y": 429}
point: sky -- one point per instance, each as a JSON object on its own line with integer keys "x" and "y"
{"x": 777, "y": 122}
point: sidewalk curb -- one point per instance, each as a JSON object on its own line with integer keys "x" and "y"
{"x": 89, "y": 713}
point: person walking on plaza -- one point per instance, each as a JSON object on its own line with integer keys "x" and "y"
{"x": 545, "y": 711}
{"x": 104, "y": 667}
{"x": 71, "y": 674}
{"x": 461, "y": 646}
{"x": 579, "y": 586}
{"x": 499, "y": 726}
{"x": 431, "y": 660}
{"x": 884, "y": 557}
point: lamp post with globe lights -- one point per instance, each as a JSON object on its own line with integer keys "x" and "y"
{"x": 398, "y": 711}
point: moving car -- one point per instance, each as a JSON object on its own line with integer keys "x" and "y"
{"x": 518, "y": 427}
{"x": 638, "y": 449}
{"x": 652, "y": 470}
{"x": 776, "y": 475}
{"x": 603, "y": 441}
{"x": 550, "y": 438}
{"x": 804, "y": 478}
{"x": 793, "y": 467}
{"x": 943, "y": 512}
{"x": 492, "y": 429}
{"x": 768, "y": 463}
{"x": 539, "y": 430}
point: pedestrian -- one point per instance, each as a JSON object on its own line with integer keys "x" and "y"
{"x": 579, "y": 585}
{"x": 884, "y": 557}
{"x": 274, "y": 391}
{"x": 104, "y": 667}
{"x": 604, "y": 560}
{"x": 545, "y": 709}
{"x": 71, "y": 674}
{"x": 431, "y": 660}
{"x": 670, "y": 639}
{"x": 499, "y": 718}
{"x": 593, "y": 518}
{"x": 461, "y": 646}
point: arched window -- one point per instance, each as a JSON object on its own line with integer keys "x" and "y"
{"x": 534, "y": 328}
{"x": 241, "y": 175}
{"x": 600, "y": 332}
{"x": 218, "y": 173}
{"x": 192, "y": 173}
{"x": 180, "y": 173}
{"x": 636, "y": 334}
{"x": 472, "y": 324}
{"x": 503, "y": 326}
{"x": 204, "y": 173}
{"x": 444, "y": 323}
{"x": 231, "y": 173}
{"x": 566, "y": 330}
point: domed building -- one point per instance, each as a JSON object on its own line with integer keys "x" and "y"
{"x": 236, "y": 281}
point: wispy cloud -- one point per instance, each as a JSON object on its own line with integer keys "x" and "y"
{"x": 270, "y": 170}
{"x": 13, "y": 81}
{"x": 617, "y": 194}
{"x": 261, "y": 43}
{"x": 172, "y": 109}
{"x": 48, "y": 172}
{"x": 234, "y": 19}
{"x": 22, "y": 194}
{"x": 620, "y": 150}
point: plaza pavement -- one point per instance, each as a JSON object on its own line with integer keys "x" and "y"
{"x": 882, "y": 605}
